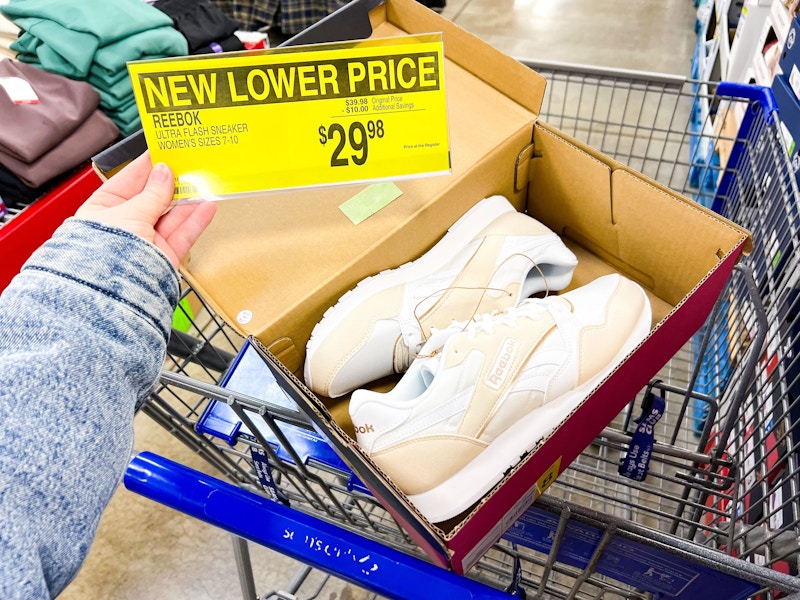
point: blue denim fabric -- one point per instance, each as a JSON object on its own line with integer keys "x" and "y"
{"x": 82, "y": 338}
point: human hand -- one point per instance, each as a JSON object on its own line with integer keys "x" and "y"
{"x": 136, "y": 198}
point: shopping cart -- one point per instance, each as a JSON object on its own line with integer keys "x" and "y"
{"x": 714, "y": 509}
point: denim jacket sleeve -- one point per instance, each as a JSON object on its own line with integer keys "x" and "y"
{"x": 82, "y": 338}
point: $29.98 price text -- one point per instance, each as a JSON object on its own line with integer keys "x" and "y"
{"x": 356, "y": 137}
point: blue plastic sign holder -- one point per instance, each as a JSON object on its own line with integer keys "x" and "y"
{"x": 250, "y": 375}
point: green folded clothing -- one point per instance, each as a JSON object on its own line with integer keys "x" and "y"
{"x": 109, "y": 72}
{"x": 125, "y": 129}
{"x": 65, "y": 36}
{"x": 107, "y": 82}
{"x": 123, "y": 115}
{"x": 55, "y": 48}
{"x": 153, "y": 43}
{"x": 108, "y": 23}
{"x": 115, "y": 96}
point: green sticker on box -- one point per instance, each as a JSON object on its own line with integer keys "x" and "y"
{"x": 369, "y": 201}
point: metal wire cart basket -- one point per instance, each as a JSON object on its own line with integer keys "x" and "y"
{"x": 715, "y": 506}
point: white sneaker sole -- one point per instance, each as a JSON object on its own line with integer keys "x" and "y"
{"x": 460, "y": 233}
{"x": 477, "y": 478}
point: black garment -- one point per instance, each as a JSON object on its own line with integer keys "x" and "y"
{"x": 437, "y": 5}
{"x": 229, "y": 44}
{"x": 200, "y": 22}
{"x": 16, "y": 194}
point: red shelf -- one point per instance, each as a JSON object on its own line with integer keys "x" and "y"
{"x": 35, "y": 224}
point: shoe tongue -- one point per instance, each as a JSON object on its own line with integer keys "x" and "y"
{"x": 559, "y": 300}
{"x": 428, "y": 370}
{"x": 429, "y": 355}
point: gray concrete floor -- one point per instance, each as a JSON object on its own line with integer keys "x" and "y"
{"x": 144, "y": 550}
{"x": 630, "y": 34}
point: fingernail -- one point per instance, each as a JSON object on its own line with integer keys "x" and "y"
{"x": 161, "y": 173}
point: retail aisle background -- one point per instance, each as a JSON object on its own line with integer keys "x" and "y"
{"x": 146, "y": 551}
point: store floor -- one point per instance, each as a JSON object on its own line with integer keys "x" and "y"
{"x": 146, "y": 551}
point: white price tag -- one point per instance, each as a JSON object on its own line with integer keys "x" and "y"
{"x": 19, "y": 90}
{"x": 794, "y": 80}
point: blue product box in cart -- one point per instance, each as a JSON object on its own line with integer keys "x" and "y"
{"x": 249, "y": 374}
{"x": 627, "y": 560}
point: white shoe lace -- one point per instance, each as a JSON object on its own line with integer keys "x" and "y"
{"x": 532, "y": 308}
{"x": 410, "y": 339}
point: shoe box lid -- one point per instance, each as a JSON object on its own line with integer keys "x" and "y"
{"x": 270, "y": 266}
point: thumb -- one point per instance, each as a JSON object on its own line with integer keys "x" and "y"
{"x": 157, "y": 194}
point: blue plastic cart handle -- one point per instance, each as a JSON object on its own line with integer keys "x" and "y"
{"x": 308, "y": 539}
{"x": 754, "y": 93}
{"x": 757, "y": 95}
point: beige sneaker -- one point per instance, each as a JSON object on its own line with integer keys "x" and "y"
{"x": 458, "y": 420}
{"x": 491, "y": 258}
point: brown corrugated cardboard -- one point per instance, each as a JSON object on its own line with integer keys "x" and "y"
{"x": 315, "y": 252}
{"x": 272, "y": 265}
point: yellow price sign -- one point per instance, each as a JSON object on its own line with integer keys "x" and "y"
{"x": 295, "y": 117}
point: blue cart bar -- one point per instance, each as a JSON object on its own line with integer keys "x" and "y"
{"x": 322, "y": 545}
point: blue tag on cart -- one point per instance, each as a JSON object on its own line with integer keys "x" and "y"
{"x": 515, "y": 588}
{"x": 637, "y": 460}
{"x": 264, "y": 472}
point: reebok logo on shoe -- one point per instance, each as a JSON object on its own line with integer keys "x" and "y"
{"x": 500, "y": 369}
{"x": 491, "y": 258}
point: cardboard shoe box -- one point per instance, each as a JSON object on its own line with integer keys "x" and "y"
{"x": 272, "y": 265}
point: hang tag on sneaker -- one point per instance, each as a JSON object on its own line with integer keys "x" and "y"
{"x": 264, "y": 472}
{"x": 19, "y": 90}
{"x": 637, "y": 461}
